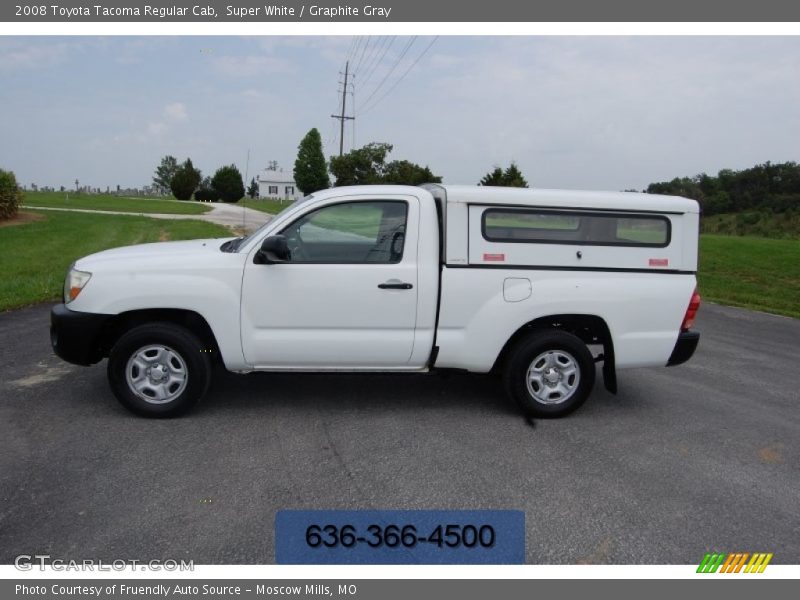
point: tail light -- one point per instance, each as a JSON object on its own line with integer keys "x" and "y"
{"x": 691, "y": 312}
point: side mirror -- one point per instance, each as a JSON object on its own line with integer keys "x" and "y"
{"x": 273, "y": 250}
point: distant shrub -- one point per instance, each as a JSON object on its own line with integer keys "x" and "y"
{"x": 227, "y": 184}
{"x": 185, "y": 180}
{"x": 205, "y": 194}
{"x": 10, "y": 195}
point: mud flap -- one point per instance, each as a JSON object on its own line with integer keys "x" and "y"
{"x": 609, "y": 369}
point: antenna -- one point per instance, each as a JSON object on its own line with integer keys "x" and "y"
{"x": 244, "y": 202}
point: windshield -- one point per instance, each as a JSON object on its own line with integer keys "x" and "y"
{"x": 234, "y": 245}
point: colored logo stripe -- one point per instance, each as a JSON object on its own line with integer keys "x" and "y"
{"x": 734, "y": 562}
{"x": 758, "y": 563}
{"x": 710, "y": 563}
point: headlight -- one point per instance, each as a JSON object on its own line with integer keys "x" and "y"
{"x": 74, "y": 283}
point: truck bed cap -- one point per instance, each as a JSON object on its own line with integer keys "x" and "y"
{"x": 469, "y": 194}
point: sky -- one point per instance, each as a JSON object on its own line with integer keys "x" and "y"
{"x": 597, "y": 112}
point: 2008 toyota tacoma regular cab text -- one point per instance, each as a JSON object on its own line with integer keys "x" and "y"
{"x": 536, "y": 284}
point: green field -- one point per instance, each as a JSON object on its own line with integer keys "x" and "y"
{"x": 113, "y": 203}
{"x": 272, "y": 207}
{"x": 36, "y": 255}
{"x": 756, "y": 273}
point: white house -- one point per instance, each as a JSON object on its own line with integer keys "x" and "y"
{"x": 275, "y": 184}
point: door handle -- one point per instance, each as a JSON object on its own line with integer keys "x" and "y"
{"x": 394, "y": 284}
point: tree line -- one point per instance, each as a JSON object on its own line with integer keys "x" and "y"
{"x": 361, "y": 166}
{"x": 369, "y": 165}
{"x": 184, "y": 180}
{"x": 765, "y": 188}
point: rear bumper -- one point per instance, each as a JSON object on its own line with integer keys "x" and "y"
{"x": 684, "y": 348}
{"x": 75, "y": 335}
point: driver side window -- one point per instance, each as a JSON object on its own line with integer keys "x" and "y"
{"x": 351, "y": 232}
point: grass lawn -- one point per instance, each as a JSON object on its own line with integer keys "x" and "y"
{"x": 272, "y": 207}
{"x": 757, "y": 273}
{"x": 109, "y": 202}
{"x": 36, "y": 254}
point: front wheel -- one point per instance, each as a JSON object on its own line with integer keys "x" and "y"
{"x": 550, "y": 373}
{"x": 159, "y": 370}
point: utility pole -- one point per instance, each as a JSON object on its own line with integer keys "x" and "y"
{"x": 342, "y": 118}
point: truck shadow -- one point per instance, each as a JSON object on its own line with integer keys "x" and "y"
{"x": 453, "y": 391}
{"x": 342, "y": 391}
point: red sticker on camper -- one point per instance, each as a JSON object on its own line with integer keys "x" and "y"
{"x": 659, "y": 262}
{"x": 494, "y": 257}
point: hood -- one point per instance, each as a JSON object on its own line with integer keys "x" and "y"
{"x": 157, "y": 252}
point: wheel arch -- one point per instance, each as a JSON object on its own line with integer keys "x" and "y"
{"x": 193, "y": 321}
{"x": 591, "y": 329}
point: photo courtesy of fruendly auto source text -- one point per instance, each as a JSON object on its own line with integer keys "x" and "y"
{"x": 399, "y": 299}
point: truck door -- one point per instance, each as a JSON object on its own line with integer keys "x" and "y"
{"x": 347, "y": 298}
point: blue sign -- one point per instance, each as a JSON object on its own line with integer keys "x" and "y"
{"x": 396, "y": 537}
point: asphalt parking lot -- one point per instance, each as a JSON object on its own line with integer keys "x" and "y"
{"x": 683, "y": 460}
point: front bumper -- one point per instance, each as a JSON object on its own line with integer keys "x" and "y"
{"x": 684, "y": 348}
{"x": 75, "y": 336}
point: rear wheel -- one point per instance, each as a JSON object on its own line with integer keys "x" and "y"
{"x": 550, "y": 373}
{"x": 159, "y": 370}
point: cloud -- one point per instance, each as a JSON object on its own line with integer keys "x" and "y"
{"x": 250, "y": 66}
{"x": 176, "y": 111}
{"x": 171, "y": 115}
{"x": 31, "y": 55}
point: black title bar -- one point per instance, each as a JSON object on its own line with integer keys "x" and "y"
{"x": 383, "y": 11}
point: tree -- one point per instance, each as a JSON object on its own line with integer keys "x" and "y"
{"x": 165, "y": 172}
{"x": 770, "y": 187}
{"x": 310, "y": 169}
{"x": 511, "y": 177}
{"x": 227, "y": 184}
{"x": 403, "y": 172}
{"x": 361, "y": 166}
{"x": 185, "y": 180}
{"x": 252, "y": 189}
{"x": 493, "y": 177}
{"x": 367, "y": 165}
{"x": 204, "y": 193}
{"x": 10, "y": 195}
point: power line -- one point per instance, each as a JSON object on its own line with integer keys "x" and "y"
{"x": 376, "y": 46}
{"x": 394, "y": 66}
{"x": 370, "y": 68}
{"x": 352, "y": 45}
{"x": 352, "y": 55}
{"x": 396, "y": 83}
{"x": 363, "y": 51}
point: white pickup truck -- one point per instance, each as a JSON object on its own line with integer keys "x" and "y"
{"x": 537, "y": 285}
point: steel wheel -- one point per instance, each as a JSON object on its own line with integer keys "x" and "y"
{"x": 553, "y": 377}
{"x": 549, "y": 373}
{"x": 157, "y": 374}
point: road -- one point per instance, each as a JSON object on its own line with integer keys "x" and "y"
{"x": 683, "y": 460}
{"x": 239, "y": 218}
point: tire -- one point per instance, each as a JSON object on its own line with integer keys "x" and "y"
{"x": 159, "y": 370}
{"x": 549, "y": 374}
